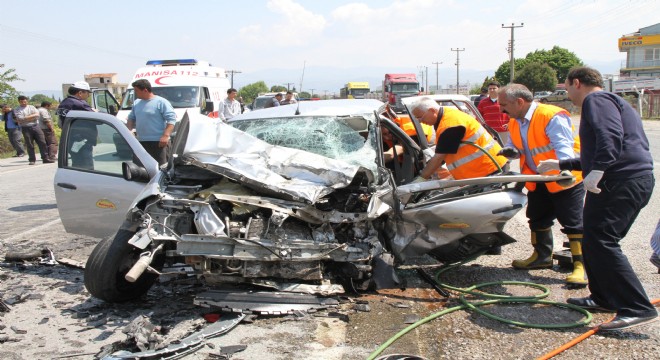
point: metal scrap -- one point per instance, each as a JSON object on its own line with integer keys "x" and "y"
{"x": 185, "y": 346}
{"x": 263, "y": 302}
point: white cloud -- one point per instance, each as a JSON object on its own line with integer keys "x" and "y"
{"x": 293, "y": 25}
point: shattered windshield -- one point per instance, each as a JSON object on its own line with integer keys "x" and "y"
{"x": 349, "y": 139}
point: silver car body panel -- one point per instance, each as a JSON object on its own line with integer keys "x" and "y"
{"x": 94, "y": 202}
{"x": 428, "y": 226}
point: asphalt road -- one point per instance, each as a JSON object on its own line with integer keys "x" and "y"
{"x": 31, "y": 221}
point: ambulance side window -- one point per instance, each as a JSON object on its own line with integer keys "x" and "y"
{"x": 206, "y": 99}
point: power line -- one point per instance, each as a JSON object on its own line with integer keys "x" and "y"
{"x": 511, "y": 47}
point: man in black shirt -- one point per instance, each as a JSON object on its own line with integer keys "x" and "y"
{"x": 618, "y": 174}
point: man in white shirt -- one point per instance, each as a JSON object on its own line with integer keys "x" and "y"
{"x": 230, "y": 107}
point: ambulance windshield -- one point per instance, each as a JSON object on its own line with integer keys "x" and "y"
{"x": 178, "y": 96}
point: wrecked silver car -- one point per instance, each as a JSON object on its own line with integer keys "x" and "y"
{"x": 296, "y": 198}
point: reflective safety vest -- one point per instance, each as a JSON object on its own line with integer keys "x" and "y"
{"x": 540, "y": 146}
{"x": 470, "y": 161}
{"x": 408, "y": 127}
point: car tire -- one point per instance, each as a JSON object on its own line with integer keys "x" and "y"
{"x": 107, "y": 265}
{"x": 544, "y": 101}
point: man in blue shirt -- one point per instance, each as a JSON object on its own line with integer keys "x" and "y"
{"x": 13, "y": 130}
{"x": 153, "y": 118}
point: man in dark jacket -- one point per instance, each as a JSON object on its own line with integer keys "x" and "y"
{"x": 618, "y": 174}
{"x": 83, "y": 138}
{"x": 13, "y": 130}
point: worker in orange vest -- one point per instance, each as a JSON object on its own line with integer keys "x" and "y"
{"x": 541, "y": 132}
{"x": 461, "y": 142}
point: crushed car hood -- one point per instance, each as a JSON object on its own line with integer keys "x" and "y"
{"x": 300, "y": 174}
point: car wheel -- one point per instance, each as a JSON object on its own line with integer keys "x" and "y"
{"x": 107, "y": 265}
{"x": 544, "y": 101}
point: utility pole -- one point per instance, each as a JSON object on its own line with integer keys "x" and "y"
{"x": 511, "y": 45}
{"x": 437, "y": 85}
{"x": 426, "y": 78}
{"x": 311, "y": 95}
{"x": 458, "y": 51}
{"x": 232, "y": 72}
{"x": 287, "y": 86}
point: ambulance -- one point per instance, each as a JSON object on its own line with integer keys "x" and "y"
{"x": 188, "y": 84}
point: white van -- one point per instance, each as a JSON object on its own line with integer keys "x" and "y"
{"x": 188, "y": 84}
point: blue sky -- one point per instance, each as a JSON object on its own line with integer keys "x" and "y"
{"x": 50, "y": 43}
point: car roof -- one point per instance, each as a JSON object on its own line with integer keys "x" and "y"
{"x": 339, "y": 107}
{"x": 437, "y": 97}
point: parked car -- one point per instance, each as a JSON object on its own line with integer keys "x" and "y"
{"x": 540, "y": 94}
{"x": 293, "y": 198}
{"x": 261, "y": 100}
{"x": 556, "y": 96}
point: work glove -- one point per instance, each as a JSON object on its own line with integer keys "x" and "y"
{"x": 417, "y": 180}
{"x": 592, "y": 180}
{"x": 509, "y": 153}
{"x": 547, "y": 165}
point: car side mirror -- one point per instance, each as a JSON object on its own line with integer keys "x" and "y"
{"x": 132, "y": 172}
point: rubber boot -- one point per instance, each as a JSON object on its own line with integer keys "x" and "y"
{"x": 579, "y": 276}
{"x": 542, "y": 256}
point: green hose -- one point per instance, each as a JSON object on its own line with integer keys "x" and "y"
{"x": 494, "y": 299}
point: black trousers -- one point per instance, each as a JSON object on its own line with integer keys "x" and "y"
{"x": 157, "y": 152}
{"x": 607, "y": 218}
{"x": 543, "y": 207}
{"x": 33, "y": 134}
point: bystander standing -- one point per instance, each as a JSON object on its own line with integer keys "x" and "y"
{"x": 229, "y": 107}
{"x": 27, "y": 116}
{"x": 153, "y": 118}
{"x": 13, "y": 130}
{"x": 46, "y": 124}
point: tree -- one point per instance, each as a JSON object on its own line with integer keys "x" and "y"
{"x": 305, "y": 95}
{"x": 502, "y": 75}
{"x": 8, "y": 93}
{"x": 39, "y": 98}
{"x": 559, "y": 59}
{"x": 278, "y": 88}
{"x": 537, "y": 77}
{"x": 251, "y": 91}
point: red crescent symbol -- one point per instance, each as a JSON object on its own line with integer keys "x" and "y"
{"x": 158, "y": 80}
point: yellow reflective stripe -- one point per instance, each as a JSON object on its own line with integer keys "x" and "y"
{"x": 467, "y": 159}
{"x": 476, "y": 135}
{"x": 540, "y": 150}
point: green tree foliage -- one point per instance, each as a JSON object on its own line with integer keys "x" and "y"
{"x": 537, "y": 77}
{"x": 475, "y": 89}
{"x": 305, "y": 95}
{"x": 278, "y": 88}
{"x": 502, "y": 75}
{"x": 8, "y": 93}
{"x": 39, "y": 98}
{"x": 559, "y": 59}
{"x": 251, "y": 91}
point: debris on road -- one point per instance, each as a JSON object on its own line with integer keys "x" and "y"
{"x": 139, "y": 330}
{"x": 262, "y": 302}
